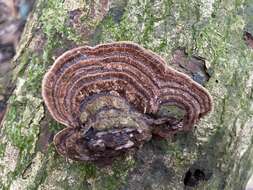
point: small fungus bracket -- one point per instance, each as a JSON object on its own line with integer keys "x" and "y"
{"x": 113, "y": 97}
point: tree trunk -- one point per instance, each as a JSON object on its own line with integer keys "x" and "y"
{"x": 215, "y": 155}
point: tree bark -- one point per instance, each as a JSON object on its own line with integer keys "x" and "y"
{"x": 215, "y": 155}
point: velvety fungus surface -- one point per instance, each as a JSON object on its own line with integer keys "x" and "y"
{"x": 113, "y": 97}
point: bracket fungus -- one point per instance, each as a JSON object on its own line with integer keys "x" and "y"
{"x": 113, "y": 97}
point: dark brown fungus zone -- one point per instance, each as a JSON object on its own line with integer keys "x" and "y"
{"x": 113, "y": 97}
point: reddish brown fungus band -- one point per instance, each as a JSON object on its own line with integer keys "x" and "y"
{"x": 124, "y": 86}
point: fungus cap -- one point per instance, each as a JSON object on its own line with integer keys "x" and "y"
{"x": 126, "y": 87}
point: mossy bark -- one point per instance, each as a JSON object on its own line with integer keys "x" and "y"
{"x": 215, "y": 155}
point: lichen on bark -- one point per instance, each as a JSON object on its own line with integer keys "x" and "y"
{"x": 216, "y": 155}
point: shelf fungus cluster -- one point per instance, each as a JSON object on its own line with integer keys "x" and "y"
{"x": 114, "y": 97}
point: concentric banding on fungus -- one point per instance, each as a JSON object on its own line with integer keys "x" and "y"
{"x": 112, "y": 96}
{"x": 142, "y": 67}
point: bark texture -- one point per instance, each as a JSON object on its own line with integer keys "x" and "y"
{"x": 217, "y": 154}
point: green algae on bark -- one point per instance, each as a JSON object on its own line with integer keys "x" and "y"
{"x": 21, "y": 128}
{"x": 223, "y": 139}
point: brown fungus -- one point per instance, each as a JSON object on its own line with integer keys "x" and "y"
{"x": 113, "y": 97}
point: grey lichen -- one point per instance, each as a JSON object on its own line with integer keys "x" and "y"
{"x": 216, "y": 35}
